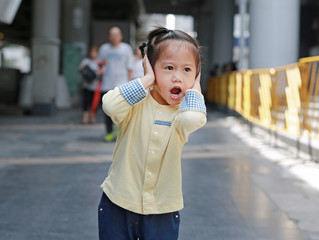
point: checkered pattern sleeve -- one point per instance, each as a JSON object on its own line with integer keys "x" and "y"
{"x": 133, "y": 91}
{"x": 193, "y": 101}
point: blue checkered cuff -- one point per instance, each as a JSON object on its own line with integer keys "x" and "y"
{"x": 193, "y": 101}
{"x": 133, "y": 91}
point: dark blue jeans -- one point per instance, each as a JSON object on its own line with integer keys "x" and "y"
{"x": 116, "y": 223}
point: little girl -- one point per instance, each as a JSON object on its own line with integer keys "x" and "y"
{"x": 143, "y": 191}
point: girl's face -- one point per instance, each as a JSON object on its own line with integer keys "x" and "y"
{"x": 175, "y": 72}
{"x": 94, "y": 53}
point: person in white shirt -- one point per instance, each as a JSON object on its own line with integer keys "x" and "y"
{"x": 118, "y": 59}
{"x": 138, "y": 70}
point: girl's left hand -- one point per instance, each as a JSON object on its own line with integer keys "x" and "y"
{"x": 197, "y": 83}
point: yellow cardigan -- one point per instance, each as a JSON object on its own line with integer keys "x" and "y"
{"x": 145, "y": 175}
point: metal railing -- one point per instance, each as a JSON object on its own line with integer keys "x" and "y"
{"x": 282, "y": 99}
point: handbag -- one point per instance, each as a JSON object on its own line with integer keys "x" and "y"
{"x": 88, "y": 74}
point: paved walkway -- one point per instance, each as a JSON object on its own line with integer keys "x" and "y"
{"x": 51, "y": 169}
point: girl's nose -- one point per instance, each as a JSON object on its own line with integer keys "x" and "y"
{"x": 177, "y": 77}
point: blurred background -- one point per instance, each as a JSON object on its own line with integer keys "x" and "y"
{"x": 250, "y": 173}
{"x": 42, "y": 41}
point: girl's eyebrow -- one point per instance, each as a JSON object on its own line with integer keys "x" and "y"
{"x": 189, "y": 64}
{"x": 168, "y": 61}
{"x": 172, "y": 62}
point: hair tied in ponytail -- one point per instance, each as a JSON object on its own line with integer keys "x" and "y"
{"x": 142, "y": 46}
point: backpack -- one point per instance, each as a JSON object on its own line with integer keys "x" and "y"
{"x": 88, "y": 74}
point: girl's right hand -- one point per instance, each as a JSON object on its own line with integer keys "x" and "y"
{"x": 148, "y": 79}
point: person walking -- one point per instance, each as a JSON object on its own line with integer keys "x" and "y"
{"x": 90, "y": 70}
{"x": 118, "y": 59}
{"x": 138, "y": 70}
{"x": 142, "y": 194}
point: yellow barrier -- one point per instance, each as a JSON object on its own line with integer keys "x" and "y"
{"x": 282, "y": 99}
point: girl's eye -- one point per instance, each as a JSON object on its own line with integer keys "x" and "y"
{"x": 169, "y": 68}
{"x": 187, "y": 69}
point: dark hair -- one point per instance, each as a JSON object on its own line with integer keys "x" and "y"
{"x": 94, "y": 47}
{"x": 159, "y": 35}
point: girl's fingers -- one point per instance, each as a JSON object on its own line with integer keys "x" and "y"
{"x": 144, "y": 65}
{"x": 198, "y": 77}
{"x": 147, "y": 65}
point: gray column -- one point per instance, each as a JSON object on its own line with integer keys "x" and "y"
{"x": 76, "y": 26}
{"x": 45, "y": 55}
{"x": 242, "y": 46}
{"x": 201, "y": 21}
{"x": 274, "y": 33}
{"x": 222, "y": 31}
{"x": 76, "y": 23}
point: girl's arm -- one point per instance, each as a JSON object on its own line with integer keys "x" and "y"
{"x": 117, "y": 103}
{"x": 83, "y": 63}
{"x": 192, "y": 114}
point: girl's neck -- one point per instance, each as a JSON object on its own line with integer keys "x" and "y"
{"x": 157, "y": 96}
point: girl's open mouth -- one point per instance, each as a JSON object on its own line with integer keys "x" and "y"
{"x": 175, "y": 92}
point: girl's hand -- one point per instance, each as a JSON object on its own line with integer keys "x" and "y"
{"x": 148, "y": 79}
{"x": 102, "y": 63}
{"x": 100, "y": 71}
{"x": 197, "y": 83}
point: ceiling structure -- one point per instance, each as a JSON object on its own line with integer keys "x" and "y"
{"x": 20, "y": 31}
{"x": 182, "y": 7}
{"x": 115, "y": 9}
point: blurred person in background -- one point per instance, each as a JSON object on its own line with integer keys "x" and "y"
{"x": 118, "y": 59}
{"x": 138, "y": 70}
{"x": 214, "y": 71}
{"x": 90, "y": 70}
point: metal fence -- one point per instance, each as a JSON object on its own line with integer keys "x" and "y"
{"x": 281, "y": 99}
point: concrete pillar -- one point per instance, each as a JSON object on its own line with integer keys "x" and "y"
{"x": 76, "y": 17}
{"x": 222, "y": 31}
{"x": 242, "y": 46}
{"x": 45, "y": 55}
{"x": 201, "y": 21}
{"x": 76, "y": 26}
{"x": 274, "y": 33}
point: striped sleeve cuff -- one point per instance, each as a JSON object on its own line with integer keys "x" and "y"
{"x": 133, "y": 91}
{"x": 193, "y": 101}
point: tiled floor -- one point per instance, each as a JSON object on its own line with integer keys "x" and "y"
{"x": 51, "y": 169}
